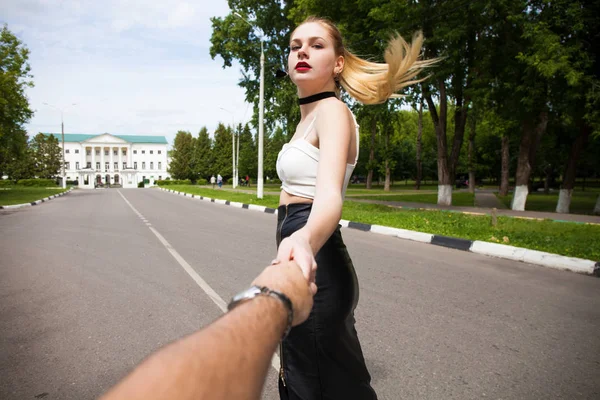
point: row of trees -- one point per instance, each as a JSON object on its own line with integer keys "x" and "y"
{"x": 41, "y": 158}
{"x": 525, "y": 72}
{"x": 205, "y": 155}
{"x": 15, "y": 111}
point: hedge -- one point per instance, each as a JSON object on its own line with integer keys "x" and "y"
{"x": 174, "y": 182}
{"x": 6, "y": 183}
{"x": 37, "y": 182}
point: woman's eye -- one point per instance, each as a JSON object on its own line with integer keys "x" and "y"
{"x": 318, "y": 46}
{"x": 294, "y": 48}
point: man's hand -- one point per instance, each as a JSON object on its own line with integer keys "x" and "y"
{"x": 286, "y": 277}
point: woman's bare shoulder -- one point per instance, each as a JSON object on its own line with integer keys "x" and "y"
{"x": 334, "y": 113}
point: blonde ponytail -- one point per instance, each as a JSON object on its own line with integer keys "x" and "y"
{"x": 373, "y": 83}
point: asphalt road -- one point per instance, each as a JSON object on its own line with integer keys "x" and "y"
{"x": 87, "y": 291}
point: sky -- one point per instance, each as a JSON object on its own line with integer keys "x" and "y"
{"x": 132, "y": 67}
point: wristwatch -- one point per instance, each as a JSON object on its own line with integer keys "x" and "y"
{"x": 254, "y": 291}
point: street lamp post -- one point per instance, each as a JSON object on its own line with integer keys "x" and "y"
{"x": 62, "y": 129}
{"x": 261, "y": 114}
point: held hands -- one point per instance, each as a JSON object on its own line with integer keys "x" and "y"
{"x": 298, "y": 249}
{"x": 288, "y": 279}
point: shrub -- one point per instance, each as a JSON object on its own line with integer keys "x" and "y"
{"x": 141, "y": 184}
{"x": 37, "y": 182}
{"x": 230, "y": 181}
{"x": 174, "y": 182}
{"x": 201, "y": 181}
{"x": 6, "y": 183}
{"x": 164, "y": 182}
{"x": 277, "y": 181}
{"x": 74, "y": 183}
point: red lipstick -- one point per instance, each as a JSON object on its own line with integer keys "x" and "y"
{"x": 302, "y": 66}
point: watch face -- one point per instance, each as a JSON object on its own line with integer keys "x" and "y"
{"x": 247, "y": 294}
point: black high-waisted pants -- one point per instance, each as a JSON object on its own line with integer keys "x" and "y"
{"x": 322, "y": 358}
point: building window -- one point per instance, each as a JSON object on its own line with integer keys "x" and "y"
{"x": 124, "y": 152}
{"x": 77, "y": 165}
{"x": 135, "y": 165}
{"x": 67, "y": 165}
{"x": 151, "y": 165}
{"x": 105, "y": 152}
{"x": 97, "y": 152}
{"x": 67, "y": 151}
{"x": 143, "y": 151}
{"x": 135, "y": 152}
{"x": 76, "y": 151}
{"x": 106, "y": 164}
{"x": 116, "y": 166}
{"x": 159, "y": 152}
{"x": 115, "y": 152}
{"x": 88, "y": 152}
{"x": 160, "y": 178}
{"x": 143, "y": 164}
{"x": 151, "y": 151}
{"x": 159, "y": 165}
{"x": 124, "y": 165}
{"x": 88, "y": 164}
{"x": 98, "y": 166}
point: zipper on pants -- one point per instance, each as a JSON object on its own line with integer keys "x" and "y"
{"x": 281, "y": 370}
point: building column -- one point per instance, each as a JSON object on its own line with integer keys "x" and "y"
{"x": 94, "y": 159}
{"x": 120, "y": 159}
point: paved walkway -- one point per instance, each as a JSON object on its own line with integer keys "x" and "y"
{"x": 485, "y": 205}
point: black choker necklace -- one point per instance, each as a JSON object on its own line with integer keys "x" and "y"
{"x": 316, "y": 97}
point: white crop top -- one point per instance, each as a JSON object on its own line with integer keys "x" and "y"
{"x": 297, "y": 165}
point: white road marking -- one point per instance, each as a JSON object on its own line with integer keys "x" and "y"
{"x": 214, "y": 296}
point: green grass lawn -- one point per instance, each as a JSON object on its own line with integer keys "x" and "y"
{"x": 581, "y": 202}
{"x": 20, "y": 195}
{"x": 458, "y": 198}
{"x": 570, "y": 239}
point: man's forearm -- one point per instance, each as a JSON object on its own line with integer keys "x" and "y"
{"x": 227, "y": 360}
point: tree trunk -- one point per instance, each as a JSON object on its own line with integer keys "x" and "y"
{"x": 472, "y": 156}
{"x": 505, "y": 166}
{"x": 529, "y": 138}
{"x": 597, "y": 207}
{"x": 568, "y": 183}
{"x": 548, "y": 171}
{"x": 419, "y": 147}
{"x": 386, "y": 185}
{"x": 439, "y": 122}
{"x": 372, "y": 153}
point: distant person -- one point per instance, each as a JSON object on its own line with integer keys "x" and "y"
{"x": 219, "y": 181}
{"x": 213, "y": 180}
{"x": 322, "y": 358}
{"x": 248, "y": 180}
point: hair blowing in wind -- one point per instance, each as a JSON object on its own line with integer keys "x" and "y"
{"x": 373, "y": 83}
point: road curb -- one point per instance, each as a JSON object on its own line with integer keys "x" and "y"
{"x": 35, "y": 203}
{"x": 535, "y": 257}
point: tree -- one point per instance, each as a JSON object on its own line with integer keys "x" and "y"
{"x": 182, "y": 156}
{"x": 202, "y": 159}
{"x": 274, "y": 143}
{"x": 248, "y": 161}
{"x": 14, "y": 105}
{"x": 47, "y": 155}
{"x": 222, "y": 152}
{"x": 22, "y": 164}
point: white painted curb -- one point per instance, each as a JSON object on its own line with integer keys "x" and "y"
{"x": 36, "y": 202}
{"x": 534, "y": 257}
{"x": 402, "y": 233}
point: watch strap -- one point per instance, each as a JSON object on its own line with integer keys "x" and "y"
{"x": 255, "y": 291}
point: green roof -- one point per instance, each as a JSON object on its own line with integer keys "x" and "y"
{"x": 82, "y": 137}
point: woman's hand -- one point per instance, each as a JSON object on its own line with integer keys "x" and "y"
{"x": 297, "y": 248}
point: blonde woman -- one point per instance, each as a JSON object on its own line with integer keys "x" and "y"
{"x": 322, "y": 358}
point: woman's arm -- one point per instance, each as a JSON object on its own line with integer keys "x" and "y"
{"x": 335, "y": 128}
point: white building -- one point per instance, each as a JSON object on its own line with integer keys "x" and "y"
{"x": 114, "y": 159}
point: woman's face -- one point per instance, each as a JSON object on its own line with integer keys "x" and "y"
{"x": 312, "y": 62}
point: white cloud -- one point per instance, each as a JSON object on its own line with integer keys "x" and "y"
{"x": 132, "y": 66}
